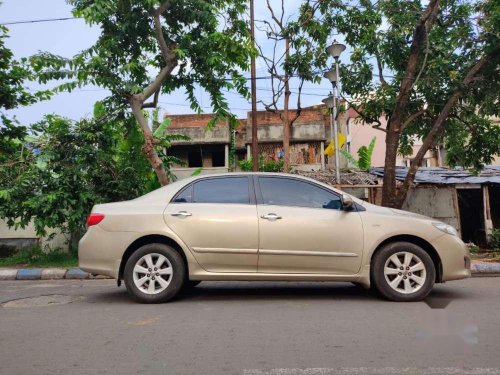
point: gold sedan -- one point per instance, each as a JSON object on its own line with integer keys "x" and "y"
{"x": 266, "y": 226}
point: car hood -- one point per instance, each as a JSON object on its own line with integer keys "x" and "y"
{"x": 393, "y": 212}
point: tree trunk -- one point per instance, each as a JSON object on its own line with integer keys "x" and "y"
{"x": 394, "y": 126}
{"x": 148, "y": 148}
{"x": 389, "y": 189}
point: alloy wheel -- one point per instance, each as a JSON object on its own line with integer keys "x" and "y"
{"x": 405, "y": 272}
{"x": 152, "y": 273}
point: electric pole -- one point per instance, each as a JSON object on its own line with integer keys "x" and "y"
{"x": 255, "y": 150}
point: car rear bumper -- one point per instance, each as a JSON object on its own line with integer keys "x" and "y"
{"x": 100, "y": 252}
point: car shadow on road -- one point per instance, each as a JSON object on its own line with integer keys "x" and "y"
{"x": 279, "y": 291}
{"x": 244, "y": 291}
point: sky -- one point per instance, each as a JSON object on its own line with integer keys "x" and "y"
{"x": 66, "y": 38}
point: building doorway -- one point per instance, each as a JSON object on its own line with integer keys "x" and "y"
{"x": 471, "y": 207}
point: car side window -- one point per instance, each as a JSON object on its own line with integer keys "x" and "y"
{"x": 222, "y": 190}
{"x": 292, "y": 192}
{"x": 185, "y": 196}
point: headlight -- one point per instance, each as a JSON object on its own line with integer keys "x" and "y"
{"x": 446, "y": 228}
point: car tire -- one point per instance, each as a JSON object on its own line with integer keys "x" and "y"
{"x": 154, "y": 273}
{"x": 403, "y": 272}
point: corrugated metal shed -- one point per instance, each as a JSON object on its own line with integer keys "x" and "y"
{"x": 443, "y": 176}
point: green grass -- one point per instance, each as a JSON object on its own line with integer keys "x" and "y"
{"x": 34, "y": 257}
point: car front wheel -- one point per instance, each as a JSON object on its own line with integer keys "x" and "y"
{"x": 154, "y": 273}
{"x": 403, "y": 272}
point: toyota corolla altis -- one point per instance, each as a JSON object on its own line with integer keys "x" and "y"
{"x": 264, "y": 226}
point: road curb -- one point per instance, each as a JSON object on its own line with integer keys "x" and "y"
{"x": 46, "y": 274}
{"x": 484, "y": 269}
{"x": 478, "y": 269}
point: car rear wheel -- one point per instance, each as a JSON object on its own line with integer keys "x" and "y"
{"x": 403, "y": 272}
{"x": 154, "y": 273}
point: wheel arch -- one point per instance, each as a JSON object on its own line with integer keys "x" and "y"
{"x": 149, "y": 239}
{"x": 425, "y": 245}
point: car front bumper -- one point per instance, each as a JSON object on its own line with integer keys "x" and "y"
{"x": 455, "y": 257}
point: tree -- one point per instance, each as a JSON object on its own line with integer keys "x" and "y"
{"x": 13, "y": 91}
{"x": 13, "y": 77}
{"x": 54, "y": 175}
{"x": 431, "y": 68}
{"x": 182, "y": 42}
{"x": 293, "y": 54}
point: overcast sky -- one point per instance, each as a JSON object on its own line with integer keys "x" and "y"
{"x": 66, "y": 38}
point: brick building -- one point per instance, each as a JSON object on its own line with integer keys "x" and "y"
{"x": 209, "y": 149}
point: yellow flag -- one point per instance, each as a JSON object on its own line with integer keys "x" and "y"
{"x": 330, "y": 150}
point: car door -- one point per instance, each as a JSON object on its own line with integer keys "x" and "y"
{"x": 216, "y": 218}
{"x": 303, "y": 229}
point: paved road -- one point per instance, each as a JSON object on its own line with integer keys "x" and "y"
{"x": 91, "y": 327}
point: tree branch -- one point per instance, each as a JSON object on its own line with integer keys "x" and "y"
{"x": 167, "y": 53}
{"x": 365, "y": 117}
{"x": 168, "y": 56}
{"x": 439, "y": 122}
{"x": 422, "y": 27}
{"x": 154, "y": 103}
{"x": 380, "y": 68}
{"x": 412, "y": 118}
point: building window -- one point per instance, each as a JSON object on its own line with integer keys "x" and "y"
{"x": 218, "y": 158}
{"x": 195, "y": 159}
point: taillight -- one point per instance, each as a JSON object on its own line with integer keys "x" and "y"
{"x": 94, "y": 219}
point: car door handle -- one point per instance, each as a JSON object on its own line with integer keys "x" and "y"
{"x": 182, "y": 214}
{"x": 271, "y": 217}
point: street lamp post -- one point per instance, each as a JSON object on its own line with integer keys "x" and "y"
{"x": 333, "y": 76}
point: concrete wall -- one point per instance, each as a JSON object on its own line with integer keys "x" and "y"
{"x": 300, "y": 132}
{"x": 27, "y": 236}
{"x": 436, "y": 202}
{"x": 201, "y": 135}
{"x": 306, "y": 167}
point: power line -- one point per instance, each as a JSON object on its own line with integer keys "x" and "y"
{"x": 39, "y": 21}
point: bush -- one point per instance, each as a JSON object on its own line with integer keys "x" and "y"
{"x": 473, "y": 248}
{"x": 495, "y": 239}
{"x": 35, "y": 256}
{"x": 264, "y": 165}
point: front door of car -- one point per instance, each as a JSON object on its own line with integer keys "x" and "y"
{"x": 303, "y": 229}
{"x": 216, "y": 218}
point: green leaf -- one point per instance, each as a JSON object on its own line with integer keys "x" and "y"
{"x": 99, "y": 109}
{"x": 350, "y": 158}
{"x": 5, "y": 194}
{"x": 41, "y": 164}
{"x": 197, "y": 171}
{"x": 160, "y": 132}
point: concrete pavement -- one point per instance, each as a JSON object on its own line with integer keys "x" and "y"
{"x": 92, "y": 327}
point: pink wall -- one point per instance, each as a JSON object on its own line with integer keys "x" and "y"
{"x": 362, "y": 134}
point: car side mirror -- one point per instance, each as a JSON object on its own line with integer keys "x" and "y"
{"x": 347, "y": 202}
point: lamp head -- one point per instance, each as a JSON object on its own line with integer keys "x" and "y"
{"x": 329, "y": 101}
{"x": 331, "y": 75}
{"x": 335, "y": 49}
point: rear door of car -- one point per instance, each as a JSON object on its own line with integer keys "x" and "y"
{"x": 217, "y": 218}
{"x": 303, "y": 228}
